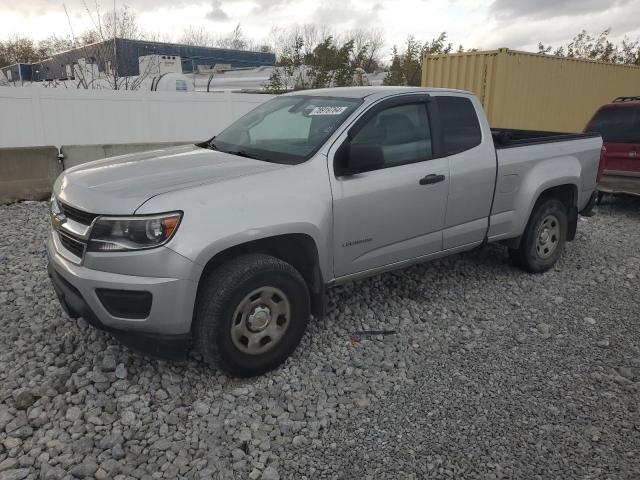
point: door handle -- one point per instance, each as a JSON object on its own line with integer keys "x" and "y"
{"x": 431, "y": 179}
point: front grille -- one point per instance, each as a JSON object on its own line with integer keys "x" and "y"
{"x": 74, "y": 246}
{"x": 77, "y": 215}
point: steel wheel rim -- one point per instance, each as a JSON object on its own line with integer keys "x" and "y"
{"x": 548, "y": 236}
{"x": 260, "y": 320}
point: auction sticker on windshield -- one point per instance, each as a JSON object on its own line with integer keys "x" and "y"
{"x": 328, "y": 111}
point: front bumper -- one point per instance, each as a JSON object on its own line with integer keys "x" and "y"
{"x": 164, "y": 332}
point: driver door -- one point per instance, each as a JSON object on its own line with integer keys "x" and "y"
{"x": 397, "y": 211}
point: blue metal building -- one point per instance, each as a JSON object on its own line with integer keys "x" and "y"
{"x": 60, "y": 66}
{"x": 17, "y": 72}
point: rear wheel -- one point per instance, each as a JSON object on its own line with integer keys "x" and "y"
{"x": 251, "y": 314}
{"x": 544, "y": 238}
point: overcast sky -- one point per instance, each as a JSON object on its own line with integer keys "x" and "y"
{"x": 517, "y": 24}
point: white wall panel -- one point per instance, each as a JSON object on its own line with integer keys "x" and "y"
{"x": 33, "y": 116}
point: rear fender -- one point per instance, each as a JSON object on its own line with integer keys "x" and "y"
{"x": 544, "y": 177}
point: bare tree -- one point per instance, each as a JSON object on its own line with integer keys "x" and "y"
{"x": 235, "y": 40}
{"x": 54, "y": 44}
{"x": 101, "y": 49}
{"x": 121, "y": 23}
{"x": 369, "y": 44}
{"x": 19, "y": 49}
{"x": 197, "y": 36}
{"x": 283, "y": 42}
{"x": 311, "y": 36}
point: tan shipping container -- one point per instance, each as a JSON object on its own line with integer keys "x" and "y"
{"x": 532, "y": 91}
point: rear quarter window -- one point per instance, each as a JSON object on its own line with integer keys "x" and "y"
{"x": 460, "y": 125}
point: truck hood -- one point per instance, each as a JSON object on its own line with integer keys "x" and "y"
{"x": 119, "y": 185}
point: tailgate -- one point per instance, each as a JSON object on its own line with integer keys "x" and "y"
{"x": 622, "y": 157}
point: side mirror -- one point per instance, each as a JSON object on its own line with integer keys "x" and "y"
{"x": 352, "y": 159}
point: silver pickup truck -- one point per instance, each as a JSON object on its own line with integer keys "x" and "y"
{"x": 228, "y": 246}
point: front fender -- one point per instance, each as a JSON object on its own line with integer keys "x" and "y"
{"x": 292, "y": 200}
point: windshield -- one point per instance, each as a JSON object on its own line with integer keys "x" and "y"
{"x": 617, "y": 124}
{"x": 287, "y": 129}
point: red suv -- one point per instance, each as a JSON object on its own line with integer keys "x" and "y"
{"x": 619, "y": 124}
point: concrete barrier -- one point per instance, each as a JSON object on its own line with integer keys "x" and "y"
{"x": 74, "y": 155}
{"x": 27, "y": 173}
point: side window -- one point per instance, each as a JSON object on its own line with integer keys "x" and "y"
{"x": 460, "y": 126}
{"x": 403, "y": 132}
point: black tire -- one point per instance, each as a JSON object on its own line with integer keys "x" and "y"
{"x": 549, "y": 215}
{"x": 223, "y": 292}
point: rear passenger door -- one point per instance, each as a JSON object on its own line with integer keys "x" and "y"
{"x": 468, "y": 145}
{"x": 395, "y": 212}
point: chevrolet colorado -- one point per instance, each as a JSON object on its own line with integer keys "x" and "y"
{"x": 228, "y": 246}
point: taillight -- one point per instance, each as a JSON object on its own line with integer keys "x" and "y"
{"x": 603, "y": 162}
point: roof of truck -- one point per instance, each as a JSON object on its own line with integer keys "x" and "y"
{"x": 363, "y": 92}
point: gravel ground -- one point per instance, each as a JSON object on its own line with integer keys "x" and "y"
{"x": 488, "y": 373}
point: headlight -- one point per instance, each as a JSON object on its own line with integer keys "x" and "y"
{"x": 117, "y": 234}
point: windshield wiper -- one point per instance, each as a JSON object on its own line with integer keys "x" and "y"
{"x": 240, "y": 153}
{"x": 245, "y": 154}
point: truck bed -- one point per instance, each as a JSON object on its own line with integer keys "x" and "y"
{"x": 541, "y": 161}
{"x": 509, "y": 138}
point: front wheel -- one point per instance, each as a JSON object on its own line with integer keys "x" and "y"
{"x": 251, "y": 314}
{"x": 544, "y": 238}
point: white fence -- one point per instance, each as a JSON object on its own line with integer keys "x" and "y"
{"x": 33, "y": 116}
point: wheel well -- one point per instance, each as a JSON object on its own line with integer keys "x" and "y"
{"x": 297, "y": 249}
{"x": 567, "y": 194}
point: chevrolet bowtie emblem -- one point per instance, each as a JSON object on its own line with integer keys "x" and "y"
{"x": 57, "y": 219}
